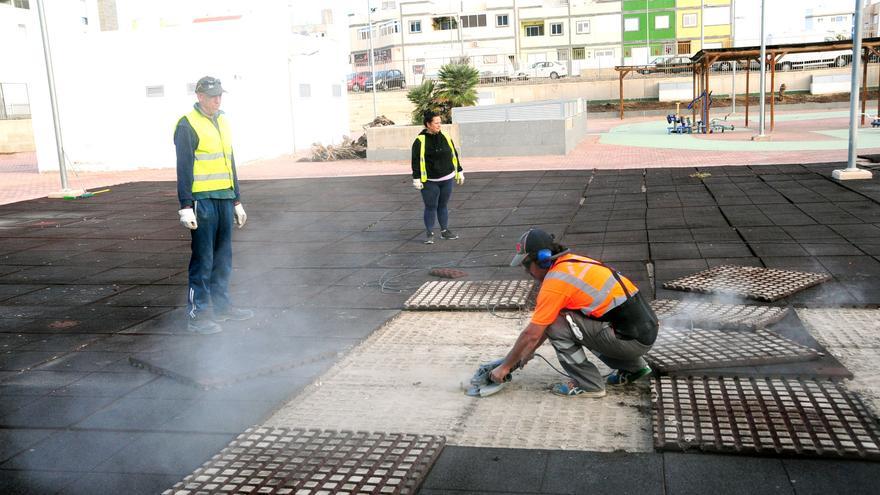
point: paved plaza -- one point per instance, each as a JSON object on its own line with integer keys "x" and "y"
{"x": 103, "y": 390}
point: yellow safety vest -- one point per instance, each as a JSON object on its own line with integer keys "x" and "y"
{"x": 421, "y": 139}
{"x": 212, "y": 168}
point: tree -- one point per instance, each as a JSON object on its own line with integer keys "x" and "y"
{"x": 456, "y": 88}
{"x": 423, "y": 97}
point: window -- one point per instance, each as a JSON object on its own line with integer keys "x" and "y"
{"x": 415, "y": 26}
{"x": 471, "y": 21}
{"x": 337, "y": 90}
{"x": 661, "y": 22}
{"x": 155, "y": 91}
{"x": 389, "y": 28}
{"x": 689, "y": 20}
{"x": 501, "y": 20}
{"x": 562, "y": 54}
{"x": 364, "y": 33}
{"x": 389, "y": 5}
{"x": 305, "y": 90}
{"x": 716, "y": 16}
{"x": 578, "y": 53}
{"x": 631, "y": 24}
{"x": 555, "y": 28}
{"x": 604, "y": 53}
{"x": 537, "y": 30}
{"x": 684, "y": 47}
{"x": 490, "y": 59}
{"x": 839, "y": 18}
{"x": 668, "y": 49}
{"x": 583, "y": 27}
{"x": 444, "y": 23}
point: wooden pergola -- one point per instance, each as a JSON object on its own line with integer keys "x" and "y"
{"x": 702, "y": 62}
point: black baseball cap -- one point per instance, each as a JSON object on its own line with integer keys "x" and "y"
{"x": 210, "y": 86}
{"x": 530, "y": 243}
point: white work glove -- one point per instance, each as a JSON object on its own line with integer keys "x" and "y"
{"x": 188, "y": 218}
{"x": 240, "y": 215}
{"x": 417, "y": 183}
{"x": 460, "y": 179}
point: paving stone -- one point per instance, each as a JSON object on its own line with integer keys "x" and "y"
{"x": 487, "y": 470}
{"x": 281, "y": 460}
{"x": 763, "y": 284}
{"x": 762, "y": 416}
{"x": 474, "y": 295}
{"x": 691, "y": 313}
{"x": 690, "y": 473}
{"x": 54, "y": 412}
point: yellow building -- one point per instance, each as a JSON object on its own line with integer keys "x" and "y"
{"x": 709, "y": 20}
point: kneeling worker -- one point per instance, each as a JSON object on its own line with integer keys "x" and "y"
{"x": 582, "y": 303}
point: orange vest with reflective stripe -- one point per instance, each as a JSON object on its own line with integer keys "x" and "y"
{"x": 588, "y": 286}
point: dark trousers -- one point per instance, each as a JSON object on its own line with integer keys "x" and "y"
{"x": 211, "y": 261}
{"x": 436, "y": 196}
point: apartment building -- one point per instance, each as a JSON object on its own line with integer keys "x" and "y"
{"x": 702, "y": 24}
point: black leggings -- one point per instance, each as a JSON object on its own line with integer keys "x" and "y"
{"x": 436, "y": 196}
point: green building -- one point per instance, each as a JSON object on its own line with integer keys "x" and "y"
{"x": 648, "y": 30}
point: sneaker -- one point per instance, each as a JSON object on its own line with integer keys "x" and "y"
{"x": 571, "y": 389}
{"x": 203, "y": 326}
{"x": 448, "y": 235}
{"x": 234, "y": 314}
{"x": 430, "y": 238}
{"x": 622, "y": 377}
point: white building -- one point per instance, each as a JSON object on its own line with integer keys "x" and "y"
{"x": 125, "y": 72}
{"x": 802, "y": 21}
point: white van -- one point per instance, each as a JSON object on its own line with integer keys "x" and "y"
{"x": 838, "y": 58}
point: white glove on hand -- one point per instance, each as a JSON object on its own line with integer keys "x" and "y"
{"x": 188, "y": 218}
{"x": 417, "y": 183}
{"x": 460, "y": 179}
{"x": 240, "y": 215}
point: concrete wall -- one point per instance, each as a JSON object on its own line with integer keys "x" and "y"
{"x": 529, "y": 138}
{"x": 16, "y": 136}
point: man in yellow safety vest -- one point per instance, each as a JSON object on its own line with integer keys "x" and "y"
{"x": 207, "y": 188}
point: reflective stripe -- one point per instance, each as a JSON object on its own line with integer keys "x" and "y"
{"x": 598, "y": 296}
{"x": 421, "y": 139}
{"x": 211, "y": 177}
{"x": 208, "y": 156}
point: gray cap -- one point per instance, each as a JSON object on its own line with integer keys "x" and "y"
{"x": 210, "y": 86}
{"x": 530, "y": 243}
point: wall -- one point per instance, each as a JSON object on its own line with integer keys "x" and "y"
{"x": 16, "y": 136}
{"x": 395, "y": 142}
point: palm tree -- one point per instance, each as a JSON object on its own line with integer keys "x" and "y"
{"x": 423, "y": 97}
{"x": 456, "y": 88}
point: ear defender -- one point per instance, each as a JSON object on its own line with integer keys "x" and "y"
{"x": 545, "y": 258}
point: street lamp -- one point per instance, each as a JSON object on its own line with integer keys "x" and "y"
{"x": 372, "y": 69}
{"x": 851, "y": 171}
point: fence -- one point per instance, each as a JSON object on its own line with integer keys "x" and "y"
{"x": 14, "y": 101}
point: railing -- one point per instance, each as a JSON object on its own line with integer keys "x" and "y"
{"x": 14, "y": 101}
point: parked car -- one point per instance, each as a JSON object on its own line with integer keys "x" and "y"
{"x": 488, "y": 77}
{"x": 386, "y": 79}
{"x": 553, "y": 70}
{"x": 668, "y": 65}
{"x": 357, "y": 81}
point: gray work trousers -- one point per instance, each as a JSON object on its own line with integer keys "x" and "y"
{"x": 599, "y": 338}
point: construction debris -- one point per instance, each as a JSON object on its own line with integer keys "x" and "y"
{"x": 379, "y": 121}
{"x": 347, "y": 150}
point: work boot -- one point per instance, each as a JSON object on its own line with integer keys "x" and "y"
{"x": 571, "y": 389}
{"x": 202, "y": 326}
{"x": 430, "y": 238}
{"x": 622, "y": 377}
{"x": 234, "y": 314}
{"x": 447, "y": 234}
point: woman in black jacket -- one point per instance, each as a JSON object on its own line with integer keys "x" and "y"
{"x": 434, "y": 167}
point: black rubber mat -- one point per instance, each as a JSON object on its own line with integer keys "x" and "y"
{"x": 298, "y": 461}
{"x": 763, "y": 284}
{"x": 710, "y": 315}
{"x": 478, "y": 295}
{"x": 763, "y": 416}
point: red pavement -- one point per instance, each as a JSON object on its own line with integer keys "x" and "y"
{"x": 19, "y": 181}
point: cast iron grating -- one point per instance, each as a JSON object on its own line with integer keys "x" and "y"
{"x": 683, "y": 349}
{"x": 674, "y": 312}
{"x": 763, "y": 284}
{"x": 477, "y": 294}
{"x": 297, "y": 461}
{"x": 762, "y": 416}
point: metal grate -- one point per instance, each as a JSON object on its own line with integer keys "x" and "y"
{"x": 723, "y": 316}
{"x": 297, "y": 461}
{"x": 763, "y": 284}
{"x": 684, "y": 349}
{"x": 762, "y": 416}
{"x": 494, "y": 294}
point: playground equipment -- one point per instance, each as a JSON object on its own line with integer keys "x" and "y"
{"x": 679, "y": 124}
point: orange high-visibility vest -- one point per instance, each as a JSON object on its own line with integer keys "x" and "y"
{"x": 591, "y": 287}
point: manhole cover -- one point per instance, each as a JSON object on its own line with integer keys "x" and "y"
{"x": 492, "y": 294}
{"x": 723, "y": 316}
{"x": 301, "y": 462}
{"x": 762, "y": 416}
{"x": 763, "y": 284}
{"x": 687, "y": 349}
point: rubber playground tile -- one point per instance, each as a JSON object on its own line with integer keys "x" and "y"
{"x": 16, "y": 440}
{"x": 72, "y": 295}
{"x": 37, "y": 383}
{"x": 611, "y": 472}
{"x": 52, "y": 275}
{"x": 674, "y": 250}
{"x": 58, "y": 342}
{"x": 752, "y": 282}
{"x": 34, "y": 482}
{"x": 670, "y": 235}
{"x": 10, "y": 291}
{"x": 850, "y": 266}
{"x": 128, "y": 483}
{"x": 82, "y": 360}
{"x": 133, "y": 276}
{"x": 488, "y": 470}
{"x": 831, "y": 249}
{"x": 362, "y": 297}
{"x": 791, "y": 249}
{"x": 104, "y": 384}
{"x": 23, "y": 360}
{"x": 233, "y": 357}
{"x": 55, "y": 412}
{"x": 854, "y": 232}
{"x": 724, "y": 249}
{"x": 708, "y": 315}
{"x": 211, "y": 416}
{"x": 129, "y": 413}
{"x": 34, "y": 257}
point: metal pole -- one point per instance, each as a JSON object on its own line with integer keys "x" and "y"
{"x": 47, "y": 55}
{"x": 733, "y": 65}
{"x": 569, "y": 38}
{"x": 854, "y": 87}
{"x": 702, "y": 23}
{"x": 648, "y": 31}
{"x": 372, "y": 69}
{"x": 402, "y": 48}
{"x": 460, "y": 36}
{"x": 763, "y": 82}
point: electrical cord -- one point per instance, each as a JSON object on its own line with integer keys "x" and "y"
{"x": 554, "y": 367}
